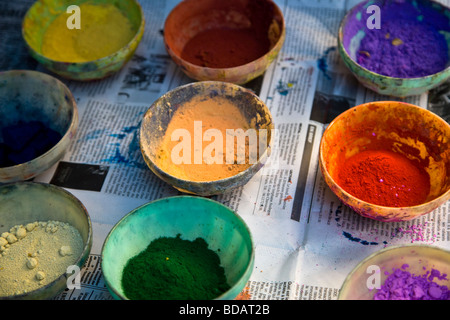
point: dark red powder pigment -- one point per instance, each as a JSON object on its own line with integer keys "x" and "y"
{"x": 224, "y": 48}
{"x": 227, "y": 46}
{"x": 384, "y": 178}
{"x": 402, "y": 285}
{"x": 410, "y": 42}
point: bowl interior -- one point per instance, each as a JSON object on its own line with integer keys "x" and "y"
{"x": 409, "y": 130}
{"x": 192, "y": 17}
{"x": 192, "y": 217}
{"x": 43, "y": 13}
{"x": 32, "y": 96}
{"x": 355, "y": 26}
{"x": 419, "y": 258}
{"x": 156, "y": 121}
{"x": 26, "y": 202}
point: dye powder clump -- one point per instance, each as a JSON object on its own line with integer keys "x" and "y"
{"x": 104, "y": 30}
{"x": 402, "y": 285}
{"x": 410, "y": 42}
{"x": 24, "y": 141}
{"x": 384, "y": 178}
{"x": 171, "y": 268}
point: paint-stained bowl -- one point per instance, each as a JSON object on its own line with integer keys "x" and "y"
{"x": 26, "y": 202}
{"x": 191, "y": 17}
{"x": 191, "y": 217}
{"x": 157, "y": 118}
{"x": 42, "y": 13}
{"x": 354, "y": 27}
{"x": 409, "y": 130}
{"x": 34, "y": 96}
{"x": 363, "y": 282}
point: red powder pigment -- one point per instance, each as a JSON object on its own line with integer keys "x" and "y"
{"x": 225, "y": 48}
{"x": 384, "y": 178}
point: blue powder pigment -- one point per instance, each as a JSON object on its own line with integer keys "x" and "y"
{"x": 411, "y": 41}
{"x": 25, "y": 141}
{"x": 402, "y": 285}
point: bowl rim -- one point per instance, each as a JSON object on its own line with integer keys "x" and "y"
{"x": 275, "y": 48}
{"x": 248, "y": 269}
{"x": 137, "y": 37}
{"x": 73, "y": 125}
{"x": 87, "y": 246}
{"x": 322, "y": 161}
{"x": 344, "y": 52}
{"x": 261, "y": 159}
{"x": 381, "y": 252}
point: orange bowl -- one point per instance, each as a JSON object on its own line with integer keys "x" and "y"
{"x": 416, "y": 133}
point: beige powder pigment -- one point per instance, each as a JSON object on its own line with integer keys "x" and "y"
{"x": 33, "y": 255}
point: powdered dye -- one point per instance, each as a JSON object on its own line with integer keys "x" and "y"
{"x": 411, "y": 41}
{"x": 402, "y": 285}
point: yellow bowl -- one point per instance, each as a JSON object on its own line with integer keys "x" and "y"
{"x": 389, "y": 125}
{"x": 190, "y": 17}
{"x": 360, "y": 282}
{"x": 157, "y": 118}
{"x": 42, "y": 13}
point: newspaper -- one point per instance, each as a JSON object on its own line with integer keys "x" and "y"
{"x": 306, "y": 241}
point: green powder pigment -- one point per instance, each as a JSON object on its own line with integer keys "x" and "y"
{"x": 171, "y": 268}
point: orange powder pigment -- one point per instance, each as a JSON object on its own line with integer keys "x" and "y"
{"x": 217, "y": 113}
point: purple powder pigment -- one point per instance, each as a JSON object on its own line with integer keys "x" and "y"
{"x": 411, "y": 41}
{"x": 402, "y": 285}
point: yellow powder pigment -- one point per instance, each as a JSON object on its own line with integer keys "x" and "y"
{"x": 218, "y": 114}
{"x": 104, "y": 29}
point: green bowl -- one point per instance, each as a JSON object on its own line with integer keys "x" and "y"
{"x": 26, "y": 202}
{"x": 29, "y": 96}
{"x": 420, "y": 258}
{"x": 192, "y": 217}
{"x": 42, "y": 13}
{"x": 384, "y": 85}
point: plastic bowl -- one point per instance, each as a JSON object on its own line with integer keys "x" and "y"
{"x": 25, "y": 202}
{"x": 191, "y": 217}
{"x": 190, "y": 17}
{"x": 389, "y": 125}
{"x": 156, "y": 119}
{"x": 353, "y": 28}
{"x": 28, "y": 96}
{"x": 419, "y": 258}
{"x": 42, "y": 13}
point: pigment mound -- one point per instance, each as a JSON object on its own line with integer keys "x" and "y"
{"x": 174, "y": 269}
{"x": 402, "y": 285}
